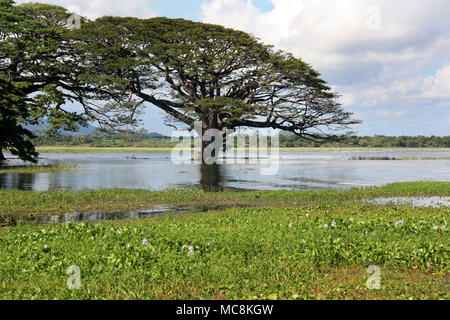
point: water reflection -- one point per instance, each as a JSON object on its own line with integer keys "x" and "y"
{"x": 211, "y": 177}
{"x": 22, "y": 181}
{"x": 297, "y": 170}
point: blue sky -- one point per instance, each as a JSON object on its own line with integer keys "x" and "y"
{"x": 191, "y": 9}
{"x": 390, "y": 60}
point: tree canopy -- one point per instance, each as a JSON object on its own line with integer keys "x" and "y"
{"x": 39, "y": 61}
{"x": 192, "y": 71}
{"x": 14, "y": 137}
{"x": 201, "y": 72}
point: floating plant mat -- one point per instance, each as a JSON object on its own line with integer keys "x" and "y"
{"x": 12, "y": 220}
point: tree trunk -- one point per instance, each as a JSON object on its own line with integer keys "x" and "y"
{"x": 2, "y": 157}
{"x": 211, "y": 177}
{"x": 214, "y": 155}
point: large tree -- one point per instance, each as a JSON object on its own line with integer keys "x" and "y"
{"x": 39, "y": 60}
{"x": 13, "y": 112}
{"x": 202, "y": 72}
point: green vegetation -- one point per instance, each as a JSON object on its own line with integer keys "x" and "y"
{"x": 35, "y": 169}
{"x": 20, "y": 202}
{"x": 201, "y": 69}
{"x": 372, "y": 142}
{"x": 317, "y": 248}
{"x": 100, "y": 149}
{"x": 286, "y": 142}
{"x": 403, "y": 158}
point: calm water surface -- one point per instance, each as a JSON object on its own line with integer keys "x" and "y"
{"x": 297, "y": 170}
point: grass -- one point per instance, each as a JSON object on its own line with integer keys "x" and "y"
{"x": 35, "y": 169}
{"x": 100, "y": 149}
{"x": 20, "y": 202}
{"x": 278, "y": 250}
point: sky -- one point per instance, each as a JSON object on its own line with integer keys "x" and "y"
{"x": 389, "y": 60}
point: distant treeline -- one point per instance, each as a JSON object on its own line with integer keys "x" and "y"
{"x": 373, "y": 142}
{"x": 104, "y": 140}
{"x": 121, "y": 140}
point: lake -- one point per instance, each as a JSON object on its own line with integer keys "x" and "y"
{"x": 297, "y": 170}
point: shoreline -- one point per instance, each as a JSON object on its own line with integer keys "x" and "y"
{"x": 69, "y": 149}
{"x": 19, "y": 202}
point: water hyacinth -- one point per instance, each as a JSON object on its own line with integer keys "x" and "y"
{"x": 399, "y": 223}
{"x": 191, "y": 250}
{"x": 144, "y": 242}
{"x": 333, "y": 224}
{"x": 436, "y": 228}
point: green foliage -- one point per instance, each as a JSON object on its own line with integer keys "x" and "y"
{"x": 14, "y": 137}
{"x": 35, "y": 169}
{"x": 34, "y": 203}
{"x": 33, "y": 60}
{"x": 104, "y": 140}
{"x": 292, "y": 141}
{"x": 223, "y": 77}
{"x": 377, "y": 141}
{"x": 238, "y": 253}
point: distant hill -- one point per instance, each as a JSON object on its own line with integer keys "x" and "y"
{"x": 156, "y": 135}
{"x": 84, "y": 131}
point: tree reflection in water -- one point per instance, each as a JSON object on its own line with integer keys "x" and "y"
{"x": 211, "y": 177}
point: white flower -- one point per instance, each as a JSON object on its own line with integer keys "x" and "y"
{"x": 144, "y": 242}
{"x": 325, "y": 226}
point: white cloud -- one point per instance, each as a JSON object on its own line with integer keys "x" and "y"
{"x": 372, "y": 51}
{"x": 388, "y": 113}
{"x": 97, "y": 8}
